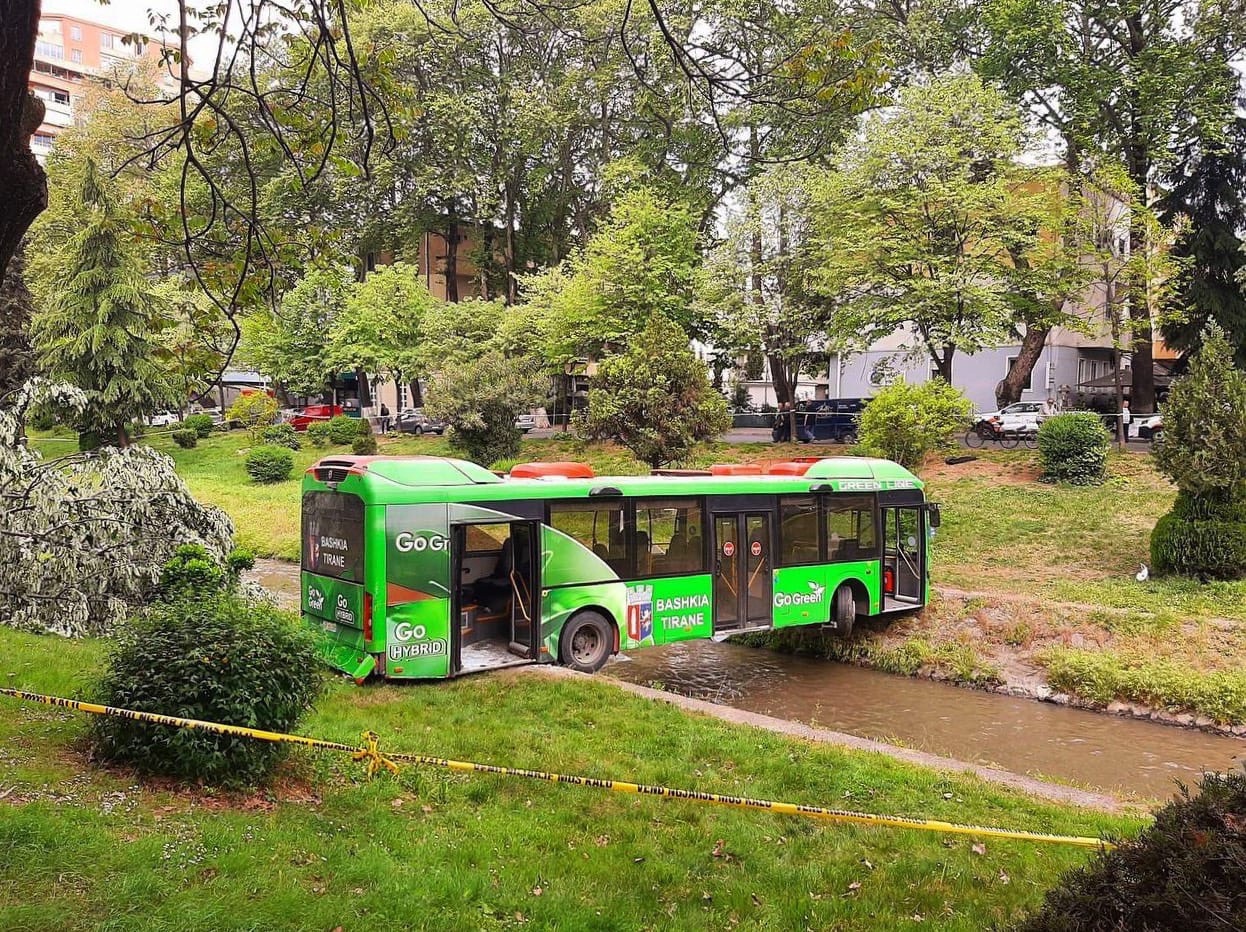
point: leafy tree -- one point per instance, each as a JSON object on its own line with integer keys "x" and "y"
{"x": 291, "y": 344}
{"x": 85, "y": 536}
{"x": 1208, "y": 190}
{"x": 655, "y": 398}
{"x": 380, "y": 328}
{"x": 907, "y": 423}
{"x": 918, "y": 228}
{"x": 480, "y": 399}
{"x": 254, "y": 411}
{"x": 642, "y": 261}
{"x": 101, "y": 330}
{"x": 1203, "y": 445}
{"x": 456, "y": 333}
{"x": 1128, "y": 80}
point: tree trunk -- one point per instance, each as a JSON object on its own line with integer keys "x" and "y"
{"x": 364, "y": 388}
{"x": 417, "y": 394}
{"x": 16, "y": 306}
{"x": 1142, "y": 394}
{"x": 23, "y": 184}
{"x": 452, "y": 261}
{"x": 1008, "y": 391}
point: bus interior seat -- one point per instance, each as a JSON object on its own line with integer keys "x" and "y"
{"x": 494, "y": 591}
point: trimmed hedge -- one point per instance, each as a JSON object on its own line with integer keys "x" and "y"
{"x": 1073, "y": 448}
{"x": 342, "y": 429}
{"x": 1183, "y": 872}
{"x": 282, "y": 435}
{"x": 185, "y": 438}
{"x": 219, "y": 659}
{"x": 318, "y": 432}
{"x": 270, "y": 464}
{"x": 1205, "y": 549}
{"x": 201, "y": 424}
{"x": 364, "y": 442}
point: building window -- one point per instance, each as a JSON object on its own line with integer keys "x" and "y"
{"x": 106, "y": 40}
{"x": 402, "y": 396}
{"x": 75, "y": 32}
{"x": 49, "y": 50}
{"x": 850, "y": 533}
{"x": 668, "y": 537}
{"x": 42, "y": 140}
{"x": 798, "y": 531}
{"x": 61, "y": 97}
{"x": 1028, "y": 386}
{"x": 75, "y": 55}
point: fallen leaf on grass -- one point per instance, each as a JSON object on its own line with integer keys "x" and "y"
{"x": 537, "y": 891}
{"x": 978, "y": 848}
{"x": 1003, "y": 877}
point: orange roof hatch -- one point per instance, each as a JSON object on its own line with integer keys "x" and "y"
{"x": 735, "y": 469}
{"x": 794, "y": 468}
{"x": 552, "y": 470}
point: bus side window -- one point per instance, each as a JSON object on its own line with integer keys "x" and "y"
{"x": 850, "y": 529}
{"x": 598, "y": 527}
{"x": 668, "y": 537}
{"x": 798, "y": 530}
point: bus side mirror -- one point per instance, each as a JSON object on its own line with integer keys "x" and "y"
{"x": 935, "y": 519}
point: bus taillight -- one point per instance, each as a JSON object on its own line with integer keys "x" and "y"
{"x": 367, "y": 616}
{"x": 889, "y": 582}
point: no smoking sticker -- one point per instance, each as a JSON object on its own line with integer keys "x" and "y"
{"x": 756, "y": 548}
{"x": 729, "y": 548}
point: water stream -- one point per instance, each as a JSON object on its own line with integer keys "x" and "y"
{"x": 1103, "y": 752}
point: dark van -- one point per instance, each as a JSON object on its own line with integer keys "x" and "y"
{"x": 834, "y": 419}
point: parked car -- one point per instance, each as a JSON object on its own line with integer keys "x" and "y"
{"x": 833, "y": 419}
{"x": 525, "y": 422}
{"x": 300, "y": 420}
{"x": 1151, "y": 427}
{"x": 415, "y": 421}
{"x": 1020, "y": 416}
{"x": 163, "y": 419}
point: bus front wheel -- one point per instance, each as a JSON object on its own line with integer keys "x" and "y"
{"x": 586, "y": 642}
{"x": 843, "y": 612}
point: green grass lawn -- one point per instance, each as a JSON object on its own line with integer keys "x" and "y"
{"x": 87, "y": 848}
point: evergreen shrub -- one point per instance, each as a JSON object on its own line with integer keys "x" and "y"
{"x": 1183, "y": 872}
{"x": 185, "y": 438}
{"x": 220, "y": 659}
{"x": 201, "y": 424}
{"x": 318, "y": 432}
{"x": 342, "y": 429}
{"x": 1073, "y": 448}
{"x": 364, "y": 441}
{"x": 282, "y": 435}
{"x": 270, "y": 464}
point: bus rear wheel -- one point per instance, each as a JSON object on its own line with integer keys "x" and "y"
{"x": 843, "y": 612}
{"x": 586, "y": 642}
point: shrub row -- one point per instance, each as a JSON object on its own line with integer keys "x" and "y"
{"x": 1103, "y": 677}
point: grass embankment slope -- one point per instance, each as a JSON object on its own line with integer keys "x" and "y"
{"x": 86, "y": 848}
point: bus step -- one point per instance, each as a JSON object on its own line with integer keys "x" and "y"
{"x": 520, "y": 650}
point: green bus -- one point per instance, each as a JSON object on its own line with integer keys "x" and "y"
{"x": 425, "y": 567}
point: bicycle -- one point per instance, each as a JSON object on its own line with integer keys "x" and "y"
{"x": 980, "y": 433}
{"x": 1011, "y": 439}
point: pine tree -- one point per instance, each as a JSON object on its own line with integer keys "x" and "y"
{"x": 1209, "y": 187}
{"x": 98, "y": 333}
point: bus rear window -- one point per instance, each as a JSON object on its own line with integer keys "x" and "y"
{"x": 333, "y": 535}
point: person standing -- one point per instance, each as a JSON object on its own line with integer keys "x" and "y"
{"x": 1126, "y": 418}
{"x": 1049, "y": 407}
{"x": 384, "y": 418}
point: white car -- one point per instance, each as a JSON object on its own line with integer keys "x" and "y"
{"x": 162, "y": 419}
{"x": 1021, "y": 416}
{"x": 525, "y": 422}
{"x": 1150, "y": 427}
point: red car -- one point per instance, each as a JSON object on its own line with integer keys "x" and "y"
{"x": 313, "y": 413}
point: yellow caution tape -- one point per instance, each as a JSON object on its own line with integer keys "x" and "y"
{"x": 370, "y": 752}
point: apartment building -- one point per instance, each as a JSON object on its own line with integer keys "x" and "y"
{"x": 69, "y": 52}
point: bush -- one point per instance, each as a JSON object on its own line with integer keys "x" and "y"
{"x": 343, "y": 429}
{"x": 254, "y": 411}
{"x": 223, "y": 659}
{"x": 270, "y": 464}
{"x": 282, "y": 435}
{"x": 318, "y": 432}
{"x": 907, "y": 423}
{"x": 42, "y": 418}
{"x": 364, "y": 442}
{"x": 185, "y": 438}
{"x": 1206, "y": 549}
{"x": 479, "y": 401}
{"x": 1073, "y": 448}
{"x": 1183, "y": 872}
{"x": 193, "y": 572}
{"x": 201, "y": 424}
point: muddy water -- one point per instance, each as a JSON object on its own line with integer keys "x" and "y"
{"x": 1041, "y": 739}
{"x": 1100, "y": 751}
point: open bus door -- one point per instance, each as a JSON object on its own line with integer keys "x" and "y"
{"x": 904, "y": 556}
{"x": 496, "y": 600}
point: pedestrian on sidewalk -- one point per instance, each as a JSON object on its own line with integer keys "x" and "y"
{"x": 1126, "y": 418}
{"x": 384, "y": 418}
